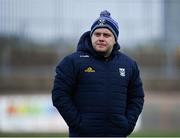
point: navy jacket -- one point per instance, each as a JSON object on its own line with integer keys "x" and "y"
{"x": 98, "y": 96}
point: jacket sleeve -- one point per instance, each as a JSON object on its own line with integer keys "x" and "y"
{"x": 64, "y": 84}
{"x": 135, "y": 99}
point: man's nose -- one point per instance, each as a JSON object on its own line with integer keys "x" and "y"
{"x": 101, "y": 38}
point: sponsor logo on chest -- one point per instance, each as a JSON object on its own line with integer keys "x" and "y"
{"x": 89, "y": 69}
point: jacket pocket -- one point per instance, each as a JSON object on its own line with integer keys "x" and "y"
{"x": 121, "y": 122}
{"x": 82, "y": 127}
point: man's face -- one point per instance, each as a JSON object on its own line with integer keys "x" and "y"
{"x": 103, "y": 41}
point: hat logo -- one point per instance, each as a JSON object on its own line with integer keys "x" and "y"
{"x": 101, "y": 22}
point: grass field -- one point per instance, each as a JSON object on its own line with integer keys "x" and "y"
{"x": 156, "y": 134}
{"x": 137, "y": 134}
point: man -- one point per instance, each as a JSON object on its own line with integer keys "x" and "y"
{"x": 97, "y": 89}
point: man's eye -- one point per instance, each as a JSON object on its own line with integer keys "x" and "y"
{"x": 106, "y": 35}
{"x": 97, "y": 34}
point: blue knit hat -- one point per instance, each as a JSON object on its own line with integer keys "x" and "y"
{"x": 105, "y": 21}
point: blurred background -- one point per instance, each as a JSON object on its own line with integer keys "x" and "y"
{"x": 36, "y": 34}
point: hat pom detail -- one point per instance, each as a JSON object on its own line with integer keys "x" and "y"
{"x": 105, "y": 13}
{"x": 105, "y": 21}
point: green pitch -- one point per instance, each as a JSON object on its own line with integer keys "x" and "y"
{"x": 49, "y": 135}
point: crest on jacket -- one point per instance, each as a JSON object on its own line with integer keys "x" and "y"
{"x": 122, "y": 72}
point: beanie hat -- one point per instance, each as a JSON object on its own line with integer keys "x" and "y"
{"x": 105, "y": 21}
